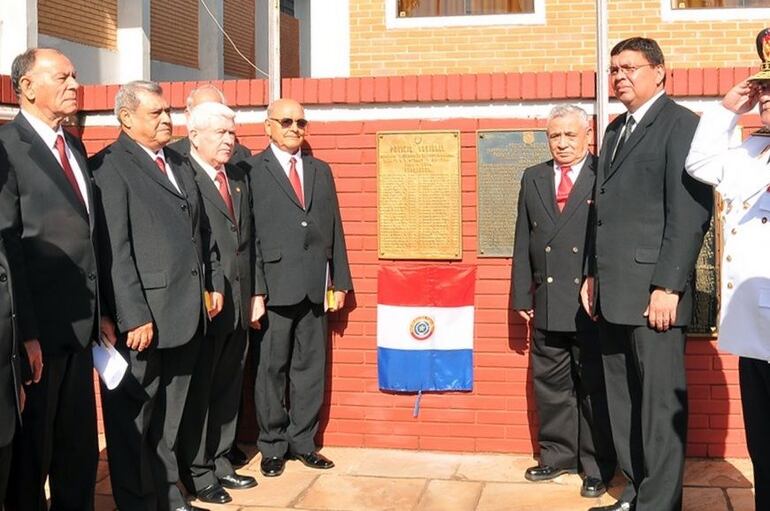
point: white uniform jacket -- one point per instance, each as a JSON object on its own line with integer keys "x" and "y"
{"x": 741, "y": 175}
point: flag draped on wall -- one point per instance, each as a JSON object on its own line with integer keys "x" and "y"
{"x": 425, "y": 327}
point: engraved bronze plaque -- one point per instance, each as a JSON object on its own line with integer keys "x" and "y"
{"x": 705, "y": 311}
{"x": 502, "y": 157}
{"x": 419, "y": 206}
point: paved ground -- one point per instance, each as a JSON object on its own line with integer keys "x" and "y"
{"x": 394, "y": 480}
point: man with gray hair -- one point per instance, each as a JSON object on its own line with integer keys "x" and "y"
{"x": 161, "y": 262}
{"x": 548, "y": 256}
{"x": 209, "y": 423}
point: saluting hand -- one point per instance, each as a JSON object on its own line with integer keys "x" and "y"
{"x": 742, "y": 97}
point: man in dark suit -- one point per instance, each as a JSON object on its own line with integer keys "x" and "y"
{"x": 156, "y": 248}
{"x": 650, "y": 218}
{"x": 548, "y": 256}
{"x": 300, "y": 249}
{"x": 47, "y": 222}
{"x": 211, "y": 414}
{"x": 11, "y": 392}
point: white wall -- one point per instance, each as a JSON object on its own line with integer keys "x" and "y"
{"x": 94, "y": 65}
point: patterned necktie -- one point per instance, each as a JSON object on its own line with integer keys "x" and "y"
{"x": 295, "y": 182}
{"x": 224, "y": 191}
{"x": 65, "y": 164}
{"x": 565, "y": 186}
{"x": 627, "y": 130}
{"x": 161, "y": 165}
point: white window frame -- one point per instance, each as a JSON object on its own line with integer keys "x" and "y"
{"x": 477, "y": 20}
{"x": 668, "y": 13}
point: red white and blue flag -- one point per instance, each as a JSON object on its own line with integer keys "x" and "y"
{"x": 425, "y": 327}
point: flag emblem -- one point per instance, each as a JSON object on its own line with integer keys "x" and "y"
{"x": 422, "y": 327}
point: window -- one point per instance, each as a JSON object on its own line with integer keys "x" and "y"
{"x": 428, "y": 8}
{"x": 716, "y": 4}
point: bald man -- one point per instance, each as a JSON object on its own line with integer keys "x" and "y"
{"x": 299, "y": 240}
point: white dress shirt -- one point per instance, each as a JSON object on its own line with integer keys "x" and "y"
{"x": 638, "y": 116}
{"x": 573, "y": 173}
{"x": 169, "y": 171}
{"x": 283, "y": 158}
{"x": 49, "y": 139}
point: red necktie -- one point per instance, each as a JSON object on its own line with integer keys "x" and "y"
{"x": 295, "y": 182}
{"x": 565, "y": 186}
{"x": 65, "y": 164}
{"x": 161, "y": 165}
{"x": 224, "y": 191}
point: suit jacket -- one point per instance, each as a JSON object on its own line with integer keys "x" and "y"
{"x": 549, "y": 247}
{"x": 235, "y": 242}
{"x": 155, "y": 242}
{"x": 50, "y": 240}
{"x": 10, "y": 376}
{"x": 650, "y": 215}
{"x": 240, "y": 152}
{"x": 294, "y": 245}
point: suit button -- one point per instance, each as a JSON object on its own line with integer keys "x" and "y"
{"x": 729, "y": 258}
{"x": 547, "y": 249}
{"x": 233, "y": 228}
{"x": 303, "y": 223}
{"x": 195, "y": 242}
{"x": 194, "y": 273}
{"x": 91, "y": 276}
{"x": 602, "y": 191}
{"x": 305, "y": 246}
{"x": 745, "y": 205}
{"x": 764, "y": 219}
{"x": 734, "y": 231}
{"x": 574, "y": 250}
{"x": 576, "y": 281}
{"x": 549, "y": 279}
{"x": 3, "y": 277}
{"x": 599, "y": 223}
{"x": 184, "y": 207}
{"x": 534, "y": 224}
{"x": 729, "y": 285}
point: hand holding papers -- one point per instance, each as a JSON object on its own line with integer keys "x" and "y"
{"x": 109, "y": 363}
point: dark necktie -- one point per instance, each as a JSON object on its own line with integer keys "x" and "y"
{"x": 65, "y": 164}
{"x": 295, "y": 182}
{"x": 627, "y": 130}
{"x": 565, "y": 186}
{"x": 224, "y": 191}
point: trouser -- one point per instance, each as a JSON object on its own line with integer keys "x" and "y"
{"x": 293, "y": 346}
{"x": 647, "y": 397}
{"x": 755, "y": 397}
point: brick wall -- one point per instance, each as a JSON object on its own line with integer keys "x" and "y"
{"x": 238, "y": 21}
{"x": 174, "y": 31}
{"x": 89, "y": 22}
{"x": 566, "y": 42}
{"x": 498, "y": 415}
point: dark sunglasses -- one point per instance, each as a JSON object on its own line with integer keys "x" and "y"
{"x": 286, "y": 123}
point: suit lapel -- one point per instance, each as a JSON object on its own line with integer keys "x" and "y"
{"x": 145, "y": 163}
{"x": 209, "y": 189}
{"x": 236, "y": 189}
{"x": 275, "y": 169}
{"x": 608, "y": 147}
{"x": 308, "y": 178}
{"x": 580, "y": 192}
{"x": 46, "y": 161}
{"x": 544, "y": 183}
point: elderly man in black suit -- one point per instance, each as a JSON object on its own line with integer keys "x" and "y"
{"x": 11, "y": 392}
{"x": 211, "y": 414}
{"x": 548, "y": 257}
{"x": 300, "y": 249}
{"x": 647, "y": 231}
{"x": 160, "y": 260}
{"x": 47, "y": 221}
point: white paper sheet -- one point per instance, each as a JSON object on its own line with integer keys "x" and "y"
{"x": 109, "y": 363}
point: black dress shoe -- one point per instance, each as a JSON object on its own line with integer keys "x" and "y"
{"x": 236, "y": 457}
{"x": 237, "y": 482}
{"x": 214, "y": 494}
{"x": 592, "y": 487}
{"x": 617, "y": 506}
{"x": 314, "y": 460}
{"x": 272, "y": 467}
{"x": 543, "y": 473}
{"x": 190, "y": 507}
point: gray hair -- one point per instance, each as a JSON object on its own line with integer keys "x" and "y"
{"x": 127, "y": 95}
{"x": 23, "y": 64}
{"x": 201, "y": 115}
{"x": 204, "y": 87}
{"x": 565, "y": 110}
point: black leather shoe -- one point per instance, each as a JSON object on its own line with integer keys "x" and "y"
{"x": 543, "y": 473}
{"x": 272, "y": 467}
{"x": 314, "y": 460}
{"x": 592, "y": 487}
{"x": 214, "y": 494}
{"x": 236, "y": 457}
{"x": 190, "y": 507}
{"x": 617, "y": 506}
{"x": 237, "y": 482}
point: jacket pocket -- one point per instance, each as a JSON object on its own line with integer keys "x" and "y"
{"x": 153, "y": 280}
{"x": 646, "y": 255}
{"x": 271, "y": 255}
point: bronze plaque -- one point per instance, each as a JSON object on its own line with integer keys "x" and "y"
{"x": 419, "y": 206}
{"x": 501, "y": 160}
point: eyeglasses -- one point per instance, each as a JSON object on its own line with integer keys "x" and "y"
{"x": 287, "y": 123}
{"x": 627, "y": 70}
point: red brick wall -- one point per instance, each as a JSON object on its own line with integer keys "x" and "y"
{"x": 498, "y": 415}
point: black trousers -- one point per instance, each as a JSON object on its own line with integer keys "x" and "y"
{"x": 211, "y": 414}
{"x": 58, "y": 439}
{"x": 141, "y": 420}
{"x": 647, "y": 397}
{"x": 574, "y": 432}
{"x": 292, "y": 347}
{"x": 755, "y": 397}
{"x": 5, "y": 468}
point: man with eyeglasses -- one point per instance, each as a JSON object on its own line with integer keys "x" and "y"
{"x": 741, "y": 175}
{"x": 647, "y": 231}
{"x": 301, "y": 272}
